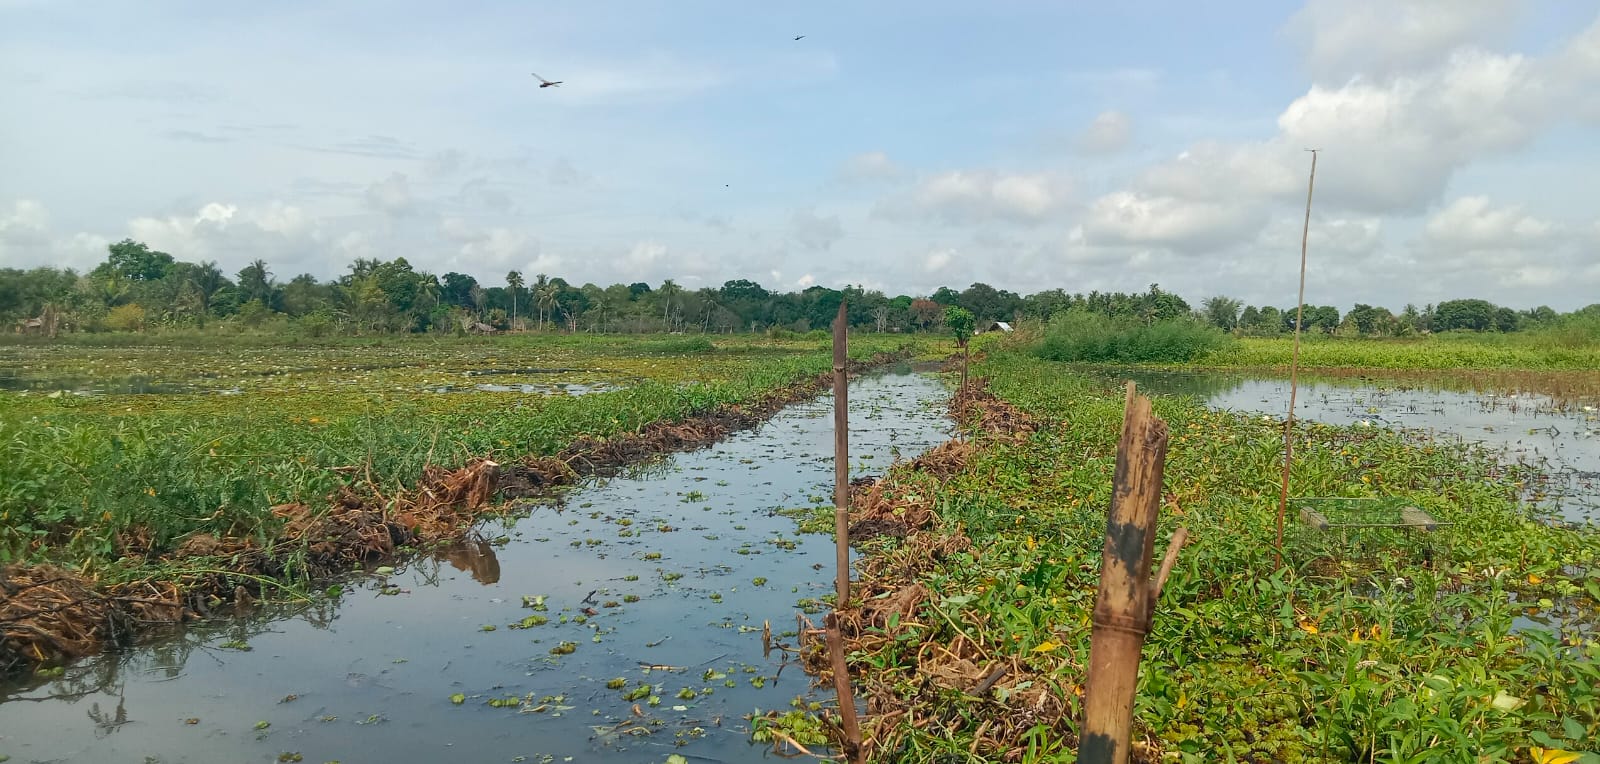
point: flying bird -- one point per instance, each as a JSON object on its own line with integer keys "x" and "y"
{"x": 801, "y": 37}
{"x": 544, "y": 83}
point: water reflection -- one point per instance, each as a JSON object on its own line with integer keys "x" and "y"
{"x": 475, "y": 557}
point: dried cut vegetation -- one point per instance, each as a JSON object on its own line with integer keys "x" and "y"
{"x": 49, "y": 615}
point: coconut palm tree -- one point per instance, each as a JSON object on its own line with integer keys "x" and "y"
{"x": 514, "y": 280}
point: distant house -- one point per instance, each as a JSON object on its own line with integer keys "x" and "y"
{"x": 997, "y": 326}
{"x": 483, "y": 328}
{"x": 31, "y": 326}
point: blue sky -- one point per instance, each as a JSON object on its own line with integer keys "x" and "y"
{"x": 902, "y": 146}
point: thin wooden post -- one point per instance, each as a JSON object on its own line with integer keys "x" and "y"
{"x": 1123, "y": 605}
{"x": 841, "y": 457}
{"x": 1294, "y": 368}
{"x": 841, "y": 534}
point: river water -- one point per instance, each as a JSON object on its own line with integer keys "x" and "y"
{"x": 1561, "y": 436}
{"x": 680, "y": 563}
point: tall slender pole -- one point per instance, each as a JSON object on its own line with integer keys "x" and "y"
{"x": 841, "y": 531}
{"x": 841, "y": 457}
{"x": 1294, "y": 366}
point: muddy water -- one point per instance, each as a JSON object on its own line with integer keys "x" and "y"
{"x": 1562, "y": 437}
{"x": 370, "y": 677}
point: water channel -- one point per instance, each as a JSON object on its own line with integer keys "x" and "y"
{"x": 676, "y": 565}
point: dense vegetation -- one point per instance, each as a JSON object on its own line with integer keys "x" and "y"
{"x": 1373, "y": 646}
{"x": 241, "y": 429}
{"x": 138, "y": 289}
{"x": 1086, "y": 337}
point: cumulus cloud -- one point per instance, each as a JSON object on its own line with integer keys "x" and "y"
{"x": 938, "y": 259}
{"x": 280, "y": 233}
{"x": 1109, "y": 133}
{"x": 1391, "y": 145}
{"x": 1344, "y": 238}
{"x": 1185, "y": 225}
{"x": 1341, "y": 38}
{"x": 813, "y": 231}
{"x": 964, "y": 197}
{"x": 1471, "y": 224}
{"x": 391, "y": 196}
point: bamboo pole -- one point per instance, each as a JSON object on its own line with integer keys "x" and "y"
{"x": 1294, "y": 368}
{"x": 841, "y": 533}
{"x": 1123, "y": 605}
{"x": 841, "y": 457}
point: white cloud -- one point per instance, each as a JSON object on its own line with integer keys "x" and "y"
{"x": 1392, "y": 144}
{"x": 1107, "y": 134}
{"x": 964, "y": 197}
{"x": 1472, "y": 224}
{"x": 1341, "y": 38}
{"x": 391, "y": 196}
{"x": 938, "y": 259}
{"x": 1181, "y": 224}
{"x": 814, "y": 231}
{"x": 805, "y": 281}
{"x": 1344, "y": 238}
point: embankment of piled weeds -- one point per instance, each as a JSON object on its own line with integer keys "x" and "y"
{"x": 892, "y": 612}
{"x": 50, "y": 615}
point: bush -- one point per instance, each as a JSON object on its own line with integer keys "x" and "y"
{"x": 126, "y": 318}
{"x": 1080, "y": 336}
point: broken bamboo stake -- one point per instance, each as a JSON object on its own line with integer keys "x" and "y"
{"x": 1123, "y": 605}
{"x": 841, "y": 684}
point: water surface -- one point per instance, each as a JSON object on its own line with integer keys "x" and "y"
{"x": 369, "y": 678}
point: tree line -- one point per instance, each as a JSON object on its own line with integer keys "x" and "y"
{"x": 138, "y": 289}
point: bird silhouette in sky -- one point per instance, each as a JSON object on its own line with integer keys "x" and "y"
{"x": 544, "y": 83}
{"x": 800, "y": 37}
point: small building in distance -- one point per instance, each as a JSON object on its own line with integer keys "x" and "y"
{"x": 996, "y": 326}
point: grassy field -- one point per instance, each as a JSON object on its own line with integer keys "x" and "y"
{"x": 1377, "y": 646}
{"x": 242, "y": 425}
{"x": 1477, "y": 351}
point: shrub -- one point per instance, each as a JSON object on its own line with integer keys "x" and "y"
{"x": 126, "y": 318}
{"x": 1081, "y": 336}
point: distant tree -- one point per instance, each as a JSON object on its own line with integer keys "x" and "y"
{"x": 304, "y": 295}
{"x": 1250, "y": 319}
{"x": 514, "y": 283}
{"x": 255, "y": 283}
{"x": 925, "y": 314}
{"x": 1222, "y": 312}
{"x": 946, "y": 296}
{"x": 135, "y": 261}
{"x": 1324, "y": 317}
{"x": 1468, "y": 315}
{"x": 456, "y": 289}
{"x": 960, "y": 323}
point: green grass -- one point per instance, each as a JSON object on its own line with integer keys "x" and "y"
{"x": 1453, "y": 351}
{"x": 263, "y": 425}
{"x": 1383, "y": 646}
